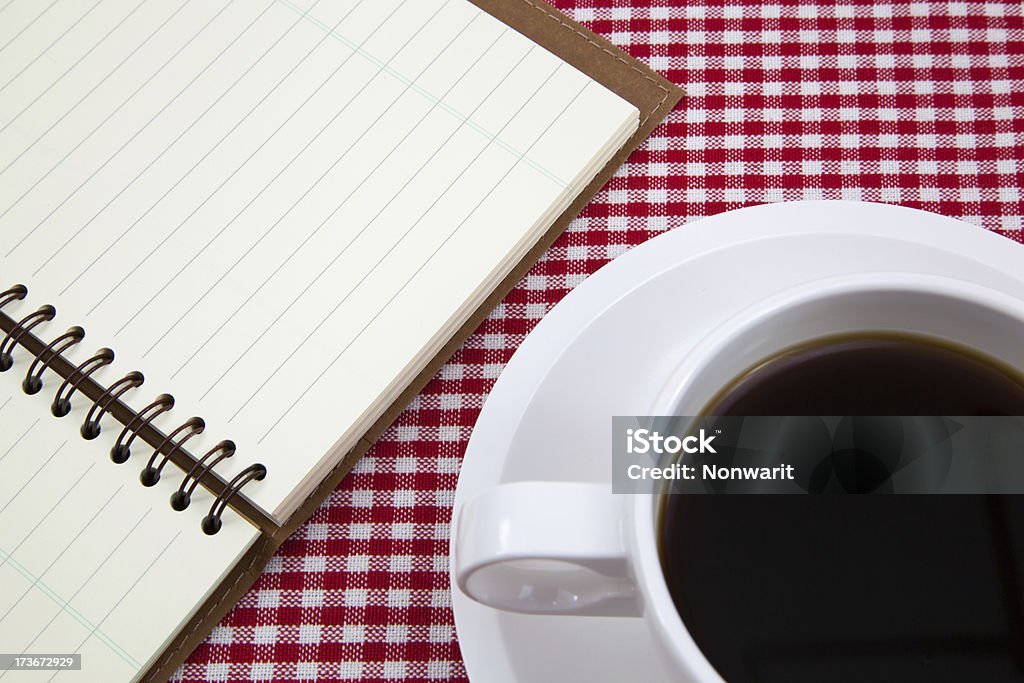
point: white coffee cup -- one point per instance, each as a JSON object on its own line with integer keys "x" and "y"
{"x": 577, "y": 549}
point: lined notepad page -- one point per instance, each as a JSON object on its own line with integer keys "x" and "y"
{"x": 92, "y": 562}
{"x": 279, "y": 210}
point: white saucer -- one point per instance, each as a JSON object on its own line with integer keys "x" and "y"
{"x": 606, "y": 350}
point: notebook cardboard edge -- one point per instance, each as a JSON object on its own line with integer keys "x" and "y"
{"x": 592, "y": 54}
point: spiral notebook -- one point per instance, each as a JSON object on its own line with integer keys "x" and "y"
{"x": 238, "y": 237}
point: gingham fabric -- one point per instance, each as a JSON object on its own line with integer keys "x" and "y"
{"x": 919, "y": 104}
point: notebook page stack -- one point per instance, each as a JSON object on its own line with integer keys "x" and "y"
{"x": 242, "y": 229}
{"x": 278, "y": 211}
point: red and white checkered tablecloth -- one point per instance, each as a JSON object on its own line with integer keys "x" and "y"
{"x": 912, "y": 103}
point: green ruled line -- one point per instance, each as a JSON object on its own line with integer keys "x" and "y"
{"x": 382, "y": 64}
{"x": 38, "y": 584}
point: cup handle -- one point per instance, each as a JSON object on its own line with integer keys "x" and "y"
{"x": 546, "y": 548}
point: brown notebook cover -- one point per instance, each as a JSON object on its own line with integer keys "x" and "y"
{"x": 653, "y": 95}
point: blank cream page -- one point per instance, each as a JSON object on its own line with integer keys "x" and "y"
{"x": 92, "y": 562}
{"x": 279, "y": 210}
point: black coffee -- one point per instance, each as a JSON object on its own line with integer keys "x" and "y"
{"x": 856, "y": 588}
